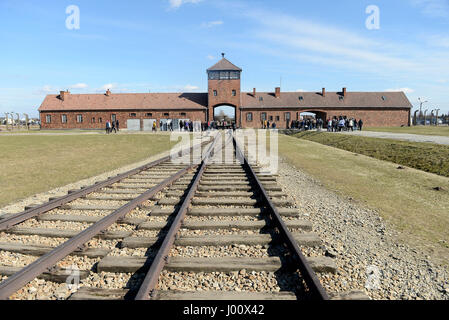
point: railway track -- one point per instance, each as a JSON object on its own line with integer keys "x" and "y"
{"x": 167, "y": 232}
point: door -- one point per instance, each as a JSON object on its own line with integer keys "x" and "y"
{"x": 133, "y": 124}
{"x": 148, "y": 124}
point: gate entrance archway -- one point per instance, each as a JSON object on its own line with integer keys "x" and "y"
{"x": 225, "y": 115}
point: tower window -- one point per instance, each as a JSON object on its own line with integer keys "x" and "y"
{"x": 234, "y": 93}
{"x": 249, "y": 116}
{"x": 215, "y": 93}
{"x": 260, "y": 99}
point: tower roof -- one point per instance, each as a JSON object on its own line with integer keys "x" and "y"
{"x": 224, "y": 65}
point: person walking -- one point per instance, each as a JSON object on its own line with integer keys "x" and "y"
{"x": 113, "y": 127}
{"x": 360, "y": 124}
{"x": 351, "y": 124}
{"x": 117, "y": 125}
{"x": 108, "y": 127}
{"x": 154, "y": 126}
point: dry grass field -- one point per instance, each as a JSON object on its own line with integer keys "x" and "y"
{"x": 32, "y": 164}
{"x": 428, "y": 157}
{"x": 405, "y": 198}
{"x": 424, "y": 130}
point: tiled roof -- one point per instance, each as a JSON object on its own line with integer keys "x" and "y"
{"x": 224, "y": 65}
{"x": 331, "y": 99}
{"x": 126, "y": 101}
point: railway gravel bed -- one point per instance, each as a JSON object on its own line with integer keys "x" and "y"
{"x": 362, "y": 242}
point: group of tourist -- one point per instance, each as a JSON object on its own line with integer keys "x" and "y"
{"x": 307, "y": 124}
{"x": 112, "y": 126}
{"x": 344, "y": 123}
{"x": 336, "y": 124}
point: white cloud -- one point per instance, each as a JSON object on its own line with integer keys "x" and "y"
{"x": 109, "y": 86}
{"x": 175, "y": 4}
{"x": 300, "y": 90}
{"x": 79, "y": 86}
{"x": 210, "y": 57}
{"x": 438, "y": 41}
{"x": 405, "y": 90}
{"x": 211, "y": 24}
{"x": 48, "y": 89}
{"x": 190, "y": 88}
{"x": 433, "y": 8}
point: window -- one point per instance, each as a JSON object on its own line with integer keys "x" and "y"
{"x": 149, "y": 114}
{"x": 224, "y": 75}
{"x": 234, "y": 75}
{"x": 166, "y": 114}
{"x": 341, "y": 98}
{"x": 215, "y": 93}
{"x": 79, "y": 118}
{"x": 271, "y": 118}
{"x": 301, "y": 98}
{"x": 133, "y": 115}
{"x": 263, "y": 116}
{"x": 287, "y": 116}
{"x": 93, "y": 119}
{"x": 260, "y": 99}
{"x": 100, "y": 120}
{"x": 183, "y": 114}
{"x": 64, "y": 118}
{"x": 48, "y": 119}
{"x": 277, "y": 118}
{"x": 234, "y": 93}
{"x": 384, "y": 98}
{"x": 249, "y": 116}
{"x": 113, "y": 117}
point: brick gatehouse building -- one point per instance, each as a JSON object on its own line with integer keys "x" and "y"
{"x": 137, "y": 111}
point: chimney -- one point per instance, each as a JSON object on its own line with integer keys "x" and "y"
{"x": 277, "y": 92}
{"x": 108, "y": 92}
{"x": 254, "y": 92}
{"x": 344, "y": 92}
{"x": 63, "y": 94}
{"x": 323, "y": 93}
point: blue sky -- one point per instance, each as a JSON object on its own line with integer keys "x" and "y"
{"x": 167, "y": 45}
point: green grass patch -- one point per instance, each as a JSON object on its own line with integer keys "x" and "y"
{"x": 32, "y": 164}
{"x": 406, "y": 199}
{"x": 423, "y": 130}
{"x": 428, "y": 157}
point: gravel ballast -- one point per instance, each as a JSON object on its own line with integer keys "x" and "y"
{"x": 368, "y": 253}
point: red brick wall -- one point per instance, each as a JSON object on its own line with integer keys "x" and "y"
{"x": 370, "y": 117}
{"x": 122, "y": 117}
{"x": 224, "y": 90}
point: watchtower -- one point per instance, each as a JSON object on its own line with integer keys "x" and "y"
{"x": 224, "y": 87}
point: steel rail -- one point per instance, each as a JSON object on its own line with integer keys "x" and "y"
{"x": 47, "y": 261}
{"x": 147, "y": 288}
{"x": 33, "y": 212}
{"x": 310, "y": 277}
{"x": 44, "y": 263}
